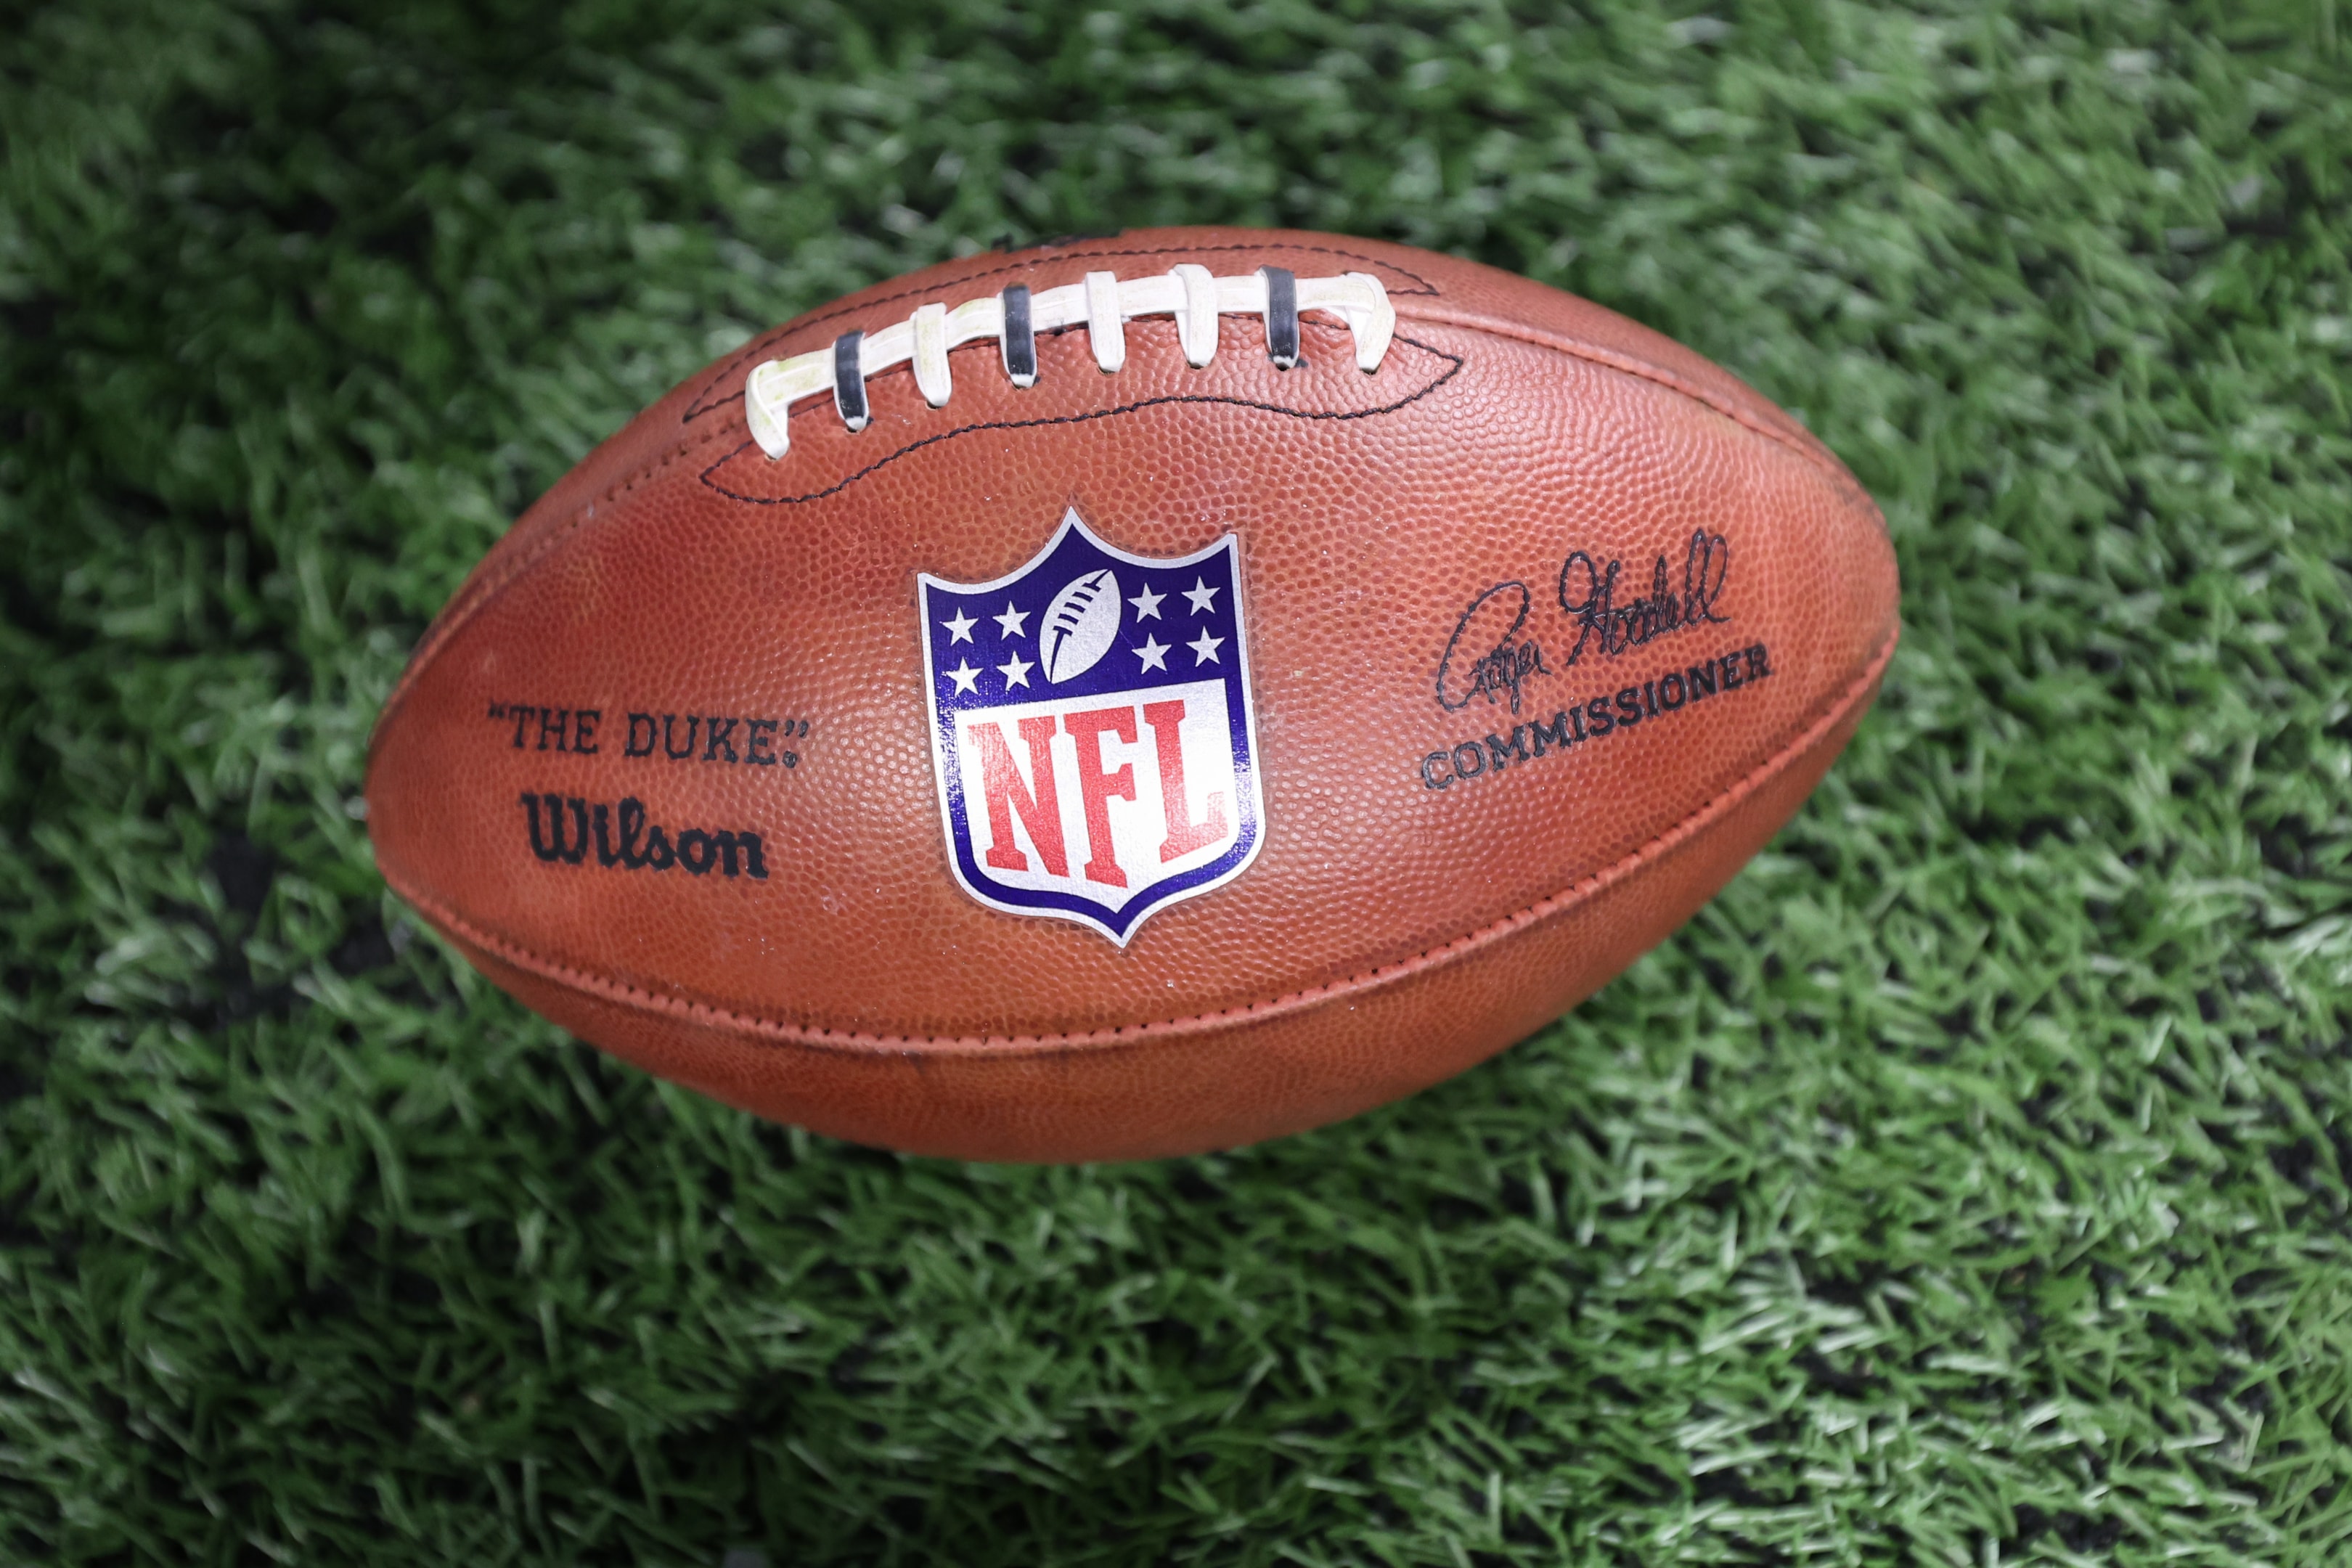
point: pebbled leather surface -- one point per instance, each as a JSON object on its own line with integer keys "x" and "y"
{"x": 1389, "y": 933}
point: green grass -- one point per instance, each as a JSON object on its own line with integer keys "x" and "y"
{"x": 1970, "y": 1183}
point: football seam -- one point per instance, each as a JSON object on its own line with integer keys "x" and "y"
{"x": 1819, "y": 456}
{"x": 859, "y": 1042}
{"x": 471, "y": 598}
{"x": 704, "y": 403}
{"x": 1452, "y": 370}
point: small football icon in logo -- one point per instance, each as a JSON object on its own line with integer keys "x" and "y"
{"x": 1080, "y": 625}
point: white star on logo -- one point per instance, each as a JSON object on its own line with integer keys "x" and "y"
{"x": 1154, "y": 653}
{"x": 963, "y": 675}
{"x": 1203, "y": 597}
{"x": 1146, "y": 604}
{"x": 960, "y": 628}
{"x": 1204, "y": 650}
{"x": 1017, "y": 672}
{"x": 1012, "y": 621}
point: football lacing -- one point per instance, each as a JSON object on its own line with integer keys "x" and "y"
{"x": 1102, "y": 304}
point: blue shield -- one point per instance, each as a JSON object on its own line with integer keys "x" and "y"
{"x": 1092, "y": 730}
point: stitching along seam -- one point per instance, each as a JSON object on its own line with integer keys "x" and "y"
{"x": 1453, "y": 367}
{"x": 1613, "y": 358}
{"x": 471, "y": 595}
{"x": 781, "y": 1032}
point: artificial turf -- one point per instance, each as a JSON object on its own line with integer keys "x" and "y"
{"x": 1967, "y": 1185}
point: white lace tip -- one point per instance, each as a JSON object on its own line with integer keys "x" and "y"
{"x": 774, "y": 435}
{"x": 1106, "y": 329}
{"x": 1196, "y": 316}
{"x": 1377, "y": 330}
{"x": 1359, "y": 300}
{"x": 767, "y": 406}
{"x": 930, "y": 354}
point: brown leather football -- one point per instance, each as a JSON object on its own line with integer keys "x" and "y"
{"x": 1133, "y": 696}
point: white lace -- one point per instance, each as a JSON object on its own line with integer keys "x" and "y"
{"x": 1102, "y": 304}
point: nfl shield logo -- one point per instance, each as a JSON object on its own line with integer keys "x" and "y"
{"x": 1092, "y": 730}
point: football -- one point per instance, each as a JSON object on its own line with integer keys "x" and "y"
{"x": 1080, "y": 626}
{"x": 1133, "y": 696}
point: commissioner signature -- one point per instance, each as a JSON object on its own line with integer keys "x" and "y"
{"x": 1506, "y": 662}
{"x": 1490, "y": 654}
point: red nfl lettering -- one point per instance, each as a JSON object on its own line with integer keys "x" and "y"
{"x": 1184, "y": 835}
{"x": 1040, "y": 810}
{"x": 1097, "y": 788}
{"x": 1037, "y": 806}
